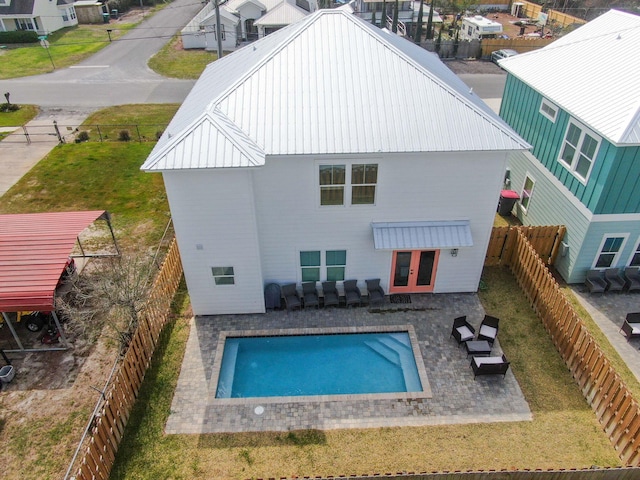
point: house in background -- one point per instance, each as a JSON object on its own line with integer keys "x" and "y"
{"x": 41, "y": 16}
{"x": 297, "y": 159}
{"x": 577, "y": 101}
{"x": 242, "y": 21}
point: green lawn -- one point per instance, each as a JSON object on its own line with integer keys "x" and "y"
{"x": 173, "y": 61}
{"x": 563, "y": 434}
{"x": 19, "y": 117}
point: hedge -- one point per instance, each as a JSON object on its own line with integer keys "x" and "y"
{"x": 19, "y": 36}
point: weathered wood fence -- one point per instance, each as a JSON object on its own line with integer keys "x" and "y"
{"x": 532, "y": 10}
{"x": 615, "y": 408}
{"x": 109, "y": 423}
{"x": 545, "y": 241}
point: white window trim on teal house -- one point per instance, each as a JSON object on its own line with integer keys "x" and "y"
{"x": 524, "y": 207}
{"x": 615, "y": 260}
{"x": 635, "y": 251}
{"x": 347, "y": 188}
{"x": 323, "y": 267}
{"x": 575, "y": 159}
{"x": 546, "y": 109}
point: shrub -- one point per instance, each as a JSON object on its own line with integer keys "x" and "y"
{"x": 9, "y": 107}
{"x": 124, "y": 136}
{"x": 159, "y": 134}
{"x": 83, "y": 136}
{"x": 19, "y": 36}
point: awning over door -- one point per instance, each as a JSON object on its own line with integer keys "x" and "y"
{"x": 421, "y": 235}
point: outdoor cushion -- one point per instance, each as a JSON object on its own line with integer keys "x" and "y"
{"x": 465, "y": 333}
{"x": 488, "y": 331}
{"x": 481, "y": 360}
{"x": 635, "y": 328}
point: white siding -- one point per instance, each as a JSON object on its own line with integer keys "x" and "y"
{"x": 216, "y": 212}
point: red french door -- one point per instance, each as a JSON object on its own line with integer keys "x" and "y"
{"x": 413, "y": 271}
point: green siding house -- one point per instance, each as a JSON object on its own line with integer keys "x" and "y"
{"x": 577, "y": 102}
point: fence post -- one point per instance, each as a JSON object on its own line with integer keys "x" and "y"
{"x": 26, "y": 135}
{"x": 55, "y": 126}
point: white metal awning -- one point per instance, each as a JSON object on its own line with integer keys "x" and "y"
{"x": 421, "y": 235}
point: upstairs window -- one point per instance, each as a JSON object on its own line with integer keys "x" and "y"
{"x": 579, "y": 151}
{"x": 332, "y": 180}
{"x": 363, "y": 183}
{"x": 609, "y": 251}
{"x": 548, "y": 109}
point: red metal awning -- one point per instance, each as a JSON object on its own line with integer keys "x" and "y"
{"x": 34, "y": 249}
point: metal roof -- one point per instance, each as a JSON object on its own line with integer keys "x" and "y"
{"x": 334, "y": 84}
{"x": 418, "y": 235}
{"x": 34, "y": 249}
{"x": 592, "y": 73}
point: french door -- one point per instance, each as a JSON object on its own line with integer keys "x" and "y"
{"x": 413, "y": 271}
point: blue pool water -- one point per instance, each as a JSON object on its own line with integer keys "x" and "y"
{"x": 337, "y": 364}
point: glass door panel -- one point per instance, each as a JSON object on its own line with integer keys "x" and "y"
{"x": 402, "y": 269}
{"x": 425, "y": 268}
{"x": 413, "y": 271}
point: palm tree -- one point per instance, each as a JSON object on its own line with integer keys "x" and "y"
{"x": 418, "y": 35}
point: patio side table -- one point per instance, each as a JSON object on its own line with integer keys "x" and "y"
{"x": 478, "y": 348}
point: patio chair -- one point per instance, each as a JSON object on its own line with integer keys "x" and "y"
{"x": 291, "y": 297}
{"x": 489, "y": 366}
{"x": 631, "y": 326}
{"x": 488, "y": 329}
{"x": 331, "y": 297}
{"x": 462, "y": 330}
{"x": 632, "y": 275}
{"x": 376, "y": 293}
{"x": 352, "y": 293}
{"x": 310, "y": 295}
{"x": 595, "y": 281}
{"x": 614, "y": 279}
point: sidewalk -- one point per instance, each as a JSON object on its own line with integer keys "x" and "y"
{"x": 17, "y": 156}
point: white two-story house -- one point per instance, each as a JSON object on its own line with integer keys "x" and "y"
{"x": 331, "y": 150}
{"x": 41, "y": 16}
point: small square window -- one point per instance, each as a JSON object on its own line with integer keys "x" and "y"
{"x": 223, "y": 275}
{"x": 548, "y": 109}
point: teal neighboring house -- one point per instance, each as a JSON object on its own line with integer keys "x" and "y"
{"x": 577, "y": 102}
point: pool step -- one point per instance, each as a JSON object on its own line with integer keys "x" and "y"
{"x": 407, "y": 361}
{"x": 225, "y": 380}
{"x": 385, "y": 351}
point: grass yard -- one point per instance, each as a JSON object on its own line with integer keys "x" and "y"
{"x": 563, "y": 434}
{"x": 175, "y": 62}
{"x": 19, "y": 117}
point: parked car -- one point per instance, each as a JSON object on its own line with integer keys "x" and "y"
{"x": 500, "y": 54}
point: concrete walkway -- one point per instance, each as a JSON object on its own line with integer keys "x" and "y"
{"x": 609, "y": 310}
{"x": 454, "y": 397}
{"x": 17, "y": 156}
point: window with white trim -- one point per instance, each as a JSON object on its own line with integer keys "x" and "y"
{"x": 222, "y": 34}
{"x": 312, "y": 265}
{"x": 332, "y": 180}
{"x": 223, "y": 275}
{"x": 579, "y": 150}
{"x": 634, "y": 261}
{"x": 364, "y": 177}
{"x": 609, "y": 250}
{"x": 527, "y": 192}
{"x": 548, "y": 109}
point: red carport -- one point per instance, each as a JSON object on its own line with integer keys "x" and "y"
{"x": 34, "y": 250}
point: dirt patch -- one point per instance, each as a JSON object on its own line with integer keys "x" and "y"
{"x": 460, "y": 67}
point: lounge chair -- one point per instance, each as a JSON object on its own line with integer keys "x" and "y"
{"x": 631, "y": 326}
{"x": 331, "y": 297}
{"x": 376, "y": 293}
{"x": 462, "y": 330}
{"x": 488, "y": 329}
{"x": 632, "y": 275}
{"x": 352, "y": 293}
{"x": 489, "y": 366}
{"x": 291, "y": 297}
{"x": 614, "y": 279}
{"x": 595, "y": 281}
{"x": 310, "y": 295}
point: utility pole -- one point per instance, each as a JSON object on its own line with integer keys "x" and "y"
{"x": 218, "y": 33}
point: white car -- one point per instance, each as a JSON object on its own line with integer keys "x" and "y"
{"x": 500, "y": 54}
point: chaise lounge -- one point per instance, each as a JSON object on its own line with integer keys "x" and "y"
{"x": 489, "y": 366}
{"x": 614, "y": 279}
{"x": 595, "y": 281}
{"x": 631, "y": 326}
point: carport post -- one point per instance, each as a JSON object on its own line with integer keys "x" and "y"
{"x": 13, "y": 331}
{"x": 59, "y": 327}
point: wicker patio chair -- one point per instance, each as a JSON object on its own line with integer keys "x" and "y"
{"x": 488, "y": 329}
{"x": 310, "y": 295}
{"x": 291, "y": 297}
{"x": 632, "y": 275}
{"x": 614, "y": 279}
{"x": 352, "y": 293}
{"x": 376, "y": 293}
{"x": 595, "y": 281}
{"x": 462, "y": 330}
{"x": 330, "y": 294}
{"x": 631, "y": 326}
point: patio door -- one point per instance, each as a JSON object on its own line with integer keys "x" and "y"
{"x": 413, "y": 271}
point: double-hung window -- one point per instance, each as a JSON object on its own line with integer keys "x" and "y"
{"x": 223, "y": 275}
{"x": 364, "y": 177}
{"x": 332, "y": 179}
{"x": 527, "y": 192}
{"x": 635, "y": 256}
{"x": 333, "y": 266}
{"x": 610, "y": 249}
{"x": 579, "y": 150}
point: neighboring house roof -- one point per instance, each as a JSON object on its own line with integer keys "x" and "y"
{"x": 284, "y": 14}
{"x": 236, "y": 4}
{"x": 330, "y": 84}
{"x": 22, "y": 7}
{"x": 224, "y": 13}
{"x": 592, "y": 73}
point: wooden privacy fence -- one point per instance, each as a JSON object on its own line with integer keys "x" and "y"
{"x": 545, "y": 240}
{"x": 614, "y": 406}
{"x": 532, "y": 10}
{"x": 519, "y": 44}
{"x": 108, "y": 427}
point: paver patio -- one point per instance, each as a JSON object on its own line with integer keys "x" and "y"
{"x": 456, "y": 396}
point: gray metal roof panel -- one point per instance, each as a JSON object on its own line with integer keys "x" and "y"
{"x": 418, "y": 235}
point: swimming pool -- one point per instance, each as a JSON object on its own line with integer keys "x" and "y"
{"x": 290, "y": 364}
